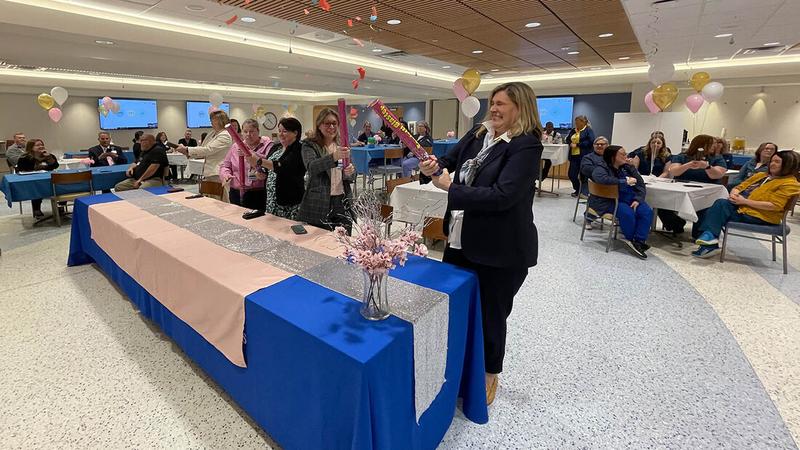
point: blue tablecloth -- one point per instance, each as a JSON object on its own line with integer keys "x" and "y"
{"x": 442, "y": 146}
{"x": 318, "y": 374}
{"x": 363, "y": 155}
{"x": 18, "y": 188}
{"x": 74, "y": 155}
{"x": 740, "y": 160}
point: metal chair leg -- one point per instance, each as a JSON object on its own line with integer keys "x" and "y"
{"x": 724, "y": 244}
{"x": 785, "y": 258}
{"x": 610, "y": 232}
{"x": 54, "y": 209}
{"x": 583, "y": 228}
{"x": 773, "y": 248}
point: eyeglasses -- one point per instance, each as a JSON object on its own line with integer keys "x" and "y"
{"x": 330, "y": 124}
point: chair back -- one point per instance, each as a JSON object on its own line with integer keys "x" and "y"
{"x": 391, "y": 184}
{"x": 386, "y": 212}
{"x": 211, "y": 188}
{"x": 433, "y": 229}
{"x": 428, "y": 150}
{"x": 604, "y": 190}
{"x": 392, "y": 153}
{"x": 60, "y": 179}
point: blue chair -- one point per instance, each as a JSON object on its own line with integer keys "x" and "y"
{"x": 777, "y": 233}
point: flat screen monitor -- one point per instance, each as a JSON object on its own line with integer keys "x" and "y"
{"x": 555, "y": 109}
{"x": 197, "y": 114}
{"x": 132, "y": 114}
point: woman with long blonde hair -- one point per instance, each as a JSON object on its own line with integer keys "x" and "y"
{"x": 489, "y": 216}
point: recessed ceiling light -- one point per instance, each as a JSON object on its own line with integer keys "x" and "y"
{"x": 711, "y": 58}
{"x": 377, "y": 81}
{"x": 196, "y": 8}
{"x": 595, "y": 68}
{"x": 771, "y": 43}
{"x": 377, "y": 50}
{"x": 477, "y": 52}
{"x": 495, "y": 70}
{"x": 573, "y": 53}
{"x": 248, "y": 19}
{"x": 445, "y": 67}
{"x": 489, "y": 76}
{"x": 283, "y": 67}
{"x": 275, "y": 78}
{"x": 565, "y": 48}
{"x": 605, "y": 35}
{"x": 533, "y": 25}
{"x": 393, "y": 21}
{"x": 102, "y": 42}
{"x": 434, "y": 40}
{"x": 724, "y": 35}
{"x": 624, "y": 58}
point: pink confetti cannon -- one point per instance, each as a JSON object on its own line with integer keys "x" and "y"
{"x": 405, "y": 137}
{"x": 344, "y": 136}
{"x": 238, "y": 140}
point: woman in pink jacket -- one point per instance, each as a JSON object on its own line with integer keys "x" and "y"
{"x": 249, "y": 192}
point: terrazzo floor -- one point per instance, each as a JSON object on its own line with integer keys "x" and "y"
{"x": 604, "y": 351}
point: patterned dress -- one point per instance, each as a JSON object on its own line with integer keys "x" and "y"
{"x": 289, "y": 212}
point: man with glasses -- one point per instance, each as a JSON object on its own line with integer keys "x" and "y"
{"x": 590, "y": 162}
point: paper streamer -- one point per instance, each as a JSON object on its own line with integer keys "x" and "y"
{"x": 238, "y": 140}
{"x": 325, "y": 5}
{"x": 400, "y": 131}
{"x": 232, "y": 19}
{"x": 344, "y": 135}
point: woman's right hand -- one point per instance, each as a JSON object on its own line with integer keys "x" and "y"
{"x": 341, "y": 153}
{"x": 631, "y": 181}
{"x": 429, "y": 166}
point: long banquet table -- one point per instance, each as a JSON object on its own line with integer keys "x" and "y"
{"x": 317, "y": 374}
{"x": 31, "y": 186}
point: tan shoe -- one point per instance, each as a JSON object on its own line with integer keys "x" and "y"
{"x": 491, "y": 390}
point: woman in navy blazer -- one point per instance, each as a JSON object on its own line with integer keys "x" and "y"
{"x": 489, "y": 216}
{"x": 580, "y": 140}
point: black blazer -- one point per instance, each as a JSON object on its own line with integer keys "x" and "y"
{"x": 96, "y": 151}
{"x": 498, "y": 229}
{"x": 289, "y": 174}
{"x": 27, "y": 163}
{"x": 191, "y": 143}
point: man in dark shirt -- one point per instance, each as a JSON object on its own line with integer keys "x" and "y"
{"x": 188, "y": 140}
{"x": 148, "y": 172}
{"x": 106, "y": 154}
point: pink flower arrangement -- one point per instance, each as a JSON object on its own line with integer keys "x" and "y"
{"x": 451, "y": 134}
{"x": 371, "y": 247}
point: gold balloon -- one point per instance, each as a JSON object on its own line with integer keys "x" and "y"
{"x": 103, "y": 110}
{"x": 471, "y": 80}
{"x": 260, "y": 111}
{"x": 699, "y": 80}
{"x": 664, "y": 95}
{"x": 46, "y": 101}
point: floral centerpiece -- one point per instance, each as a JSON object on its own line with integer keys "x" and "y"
{"x": 376, "y": 250}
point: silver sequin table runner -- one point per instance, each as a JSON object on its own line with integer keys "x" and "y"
{"x": 427, "y": 310}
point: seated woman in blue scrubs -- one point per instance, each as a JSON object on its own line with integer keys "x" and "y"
{"x": 698, "y": 165}
{"x": 633, "y": 214}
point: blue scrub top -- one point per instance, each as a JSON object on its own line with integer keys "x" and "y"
{"x": 699, "y": 175}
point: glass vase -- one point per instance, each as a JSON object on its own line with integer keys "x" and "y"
{"x": 375, "y": 300}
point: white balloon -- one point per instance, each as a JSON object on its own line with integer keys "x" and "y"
{"x": 215, "y": 99}
{"x": 713, "y": 91}
{"x": 660, "y": 72}
{"x": 59, "y": 94}
{"x": 470, "y": 106}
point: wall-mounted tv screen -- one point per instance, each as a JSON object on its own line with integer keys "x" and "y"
{"x": 132, "y": 114}
{"x": 555, "y": 109}
{"x": 197, "y": 114}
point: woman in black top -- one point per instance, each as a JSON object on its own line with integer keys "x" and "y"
{"x": 284, "y": 170}
{"x": 137, "y": 147}
{"x": 36, "y": 157}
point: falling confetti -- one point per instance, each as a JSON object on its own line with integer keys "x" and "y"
{"x": 247, "y": 2}
{"x": 325, "y": 5}
{"x": 361, "y": 72}
{"x": 374, "y": 15}
{"x": 350, "y": 23}
{"x": 358, "y": 42}
{"x": 232, "y": 19}
{"x": 358, "y": 18}
{"x": 355, "y": 84}
{"x": 305, "y": 11}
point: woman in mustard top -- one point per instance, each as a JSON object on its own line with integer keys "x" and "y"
{"x": 580, "y": 140}
{"x": 760, "y": 200}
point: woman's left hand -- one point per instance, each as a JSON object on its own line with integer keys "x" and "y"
{"x": 738, "y": 200}
{"x": 349, "y": 170}
{"x": 443, "y": 181}
{"x": 634, "y": 205}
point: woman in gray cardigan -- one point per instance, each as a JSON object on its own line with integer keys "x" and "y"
{"x": 326, "y": 202}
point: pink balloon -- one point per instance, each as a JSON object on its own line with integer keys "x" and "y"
{"x": 107, "y": 102}
{"x": 55, "y": 114}
{"x": 458, "y": 89}
{"x": 694, "y": 102}
{"x": 651, "y": 105}
{"x": 212, "y": 109}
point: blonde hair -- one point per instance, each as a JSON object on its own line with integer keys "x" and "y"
{"x": 524, "y": 99}
{"x": 219, "y": 116}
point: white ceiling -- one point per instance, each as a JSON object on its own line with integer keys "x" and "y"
{"x": 165, "y": 40}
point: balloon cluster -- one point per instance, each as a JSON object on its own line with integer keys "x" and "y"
{"x": 463, "y": 89}
{"x": 47, "y": 102}
{"x": 705, "y": 91}
{"x": 108, "y": 105}
{"x": 665, "y": 93}
{"x": 215, "y": 99}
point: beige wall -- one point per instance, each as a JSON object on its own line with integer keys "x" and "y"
{"x": 773, "y": 115}
{"x": 79, "y": 126}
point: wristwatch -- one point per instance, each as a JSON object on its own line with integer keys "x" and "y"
{"x": 259, "y": 167}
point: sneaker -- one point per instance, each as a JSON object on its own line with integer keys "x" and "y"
{"x": 706, "y": 251}
{"x": 573, "y": 195}
{"x": 644, "y": 246}
{"x": 38, "y": 214}
{"x": 588, "y": 225}
{"x": 635, "y": 249}
{"x": 707, "y": 239}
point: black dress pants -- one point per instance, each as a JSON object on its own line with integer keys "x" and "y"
{"x": 575, "y": 171}
{"x": 498, "y": 286}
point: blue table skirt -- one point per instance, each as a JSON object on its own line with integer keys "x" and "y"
{"x": 313, "y": 362}
{"x": 363, "y": 155}
{"x": 73, "y": 155}
{"x": 442, "y": 146}
{"x": 18, "y": 188}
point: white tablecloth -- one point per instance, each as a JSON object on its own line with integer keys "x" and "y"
{"x": 177, "y": 159}
{"x": 684, "y": 199}
{"x": 412, "y": 202}
{"x": 194, "y": 167}
{"x": 74, "y": 163}
{"x": 556, "y": 153}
